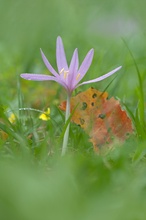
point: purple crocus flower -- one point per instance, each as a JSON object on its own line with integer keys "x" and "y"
{"x": 68, "y": 76}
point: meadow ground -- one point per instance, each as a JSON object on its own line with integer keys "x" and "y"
{"x": 35, "y": 181}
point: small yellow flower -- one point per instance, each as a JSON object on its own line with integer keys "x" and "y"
{"x": 45, "y": 116}
{"x": 12, "y": 118}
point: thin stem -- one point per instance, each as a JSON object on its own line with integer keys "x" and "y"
{"x": 26, "y": 109}
{"x": 66, "y": 135}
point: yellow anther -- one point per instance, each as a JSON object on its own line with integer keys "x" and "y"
{"x": 77, "y": 77}
{"x": 62, "y": 70}
{"x": 65, "y": 74}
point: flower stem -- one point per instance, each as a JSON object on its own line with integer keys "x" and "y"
{"x": 66, "y": 135}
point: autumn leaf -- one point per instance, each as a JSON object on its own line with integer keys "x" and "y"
{"x": 103, "y": 119}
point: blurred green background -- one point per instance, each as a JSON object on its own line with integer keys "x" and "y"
{"x": 26, "y": 26}
{"x": 81, "y": 186}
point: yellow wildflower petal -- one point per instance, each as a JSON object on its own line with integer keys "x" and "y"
{"x": 48, "y": 111}
{"x": 12, "y": 118}
{"x": 44, "y": 117}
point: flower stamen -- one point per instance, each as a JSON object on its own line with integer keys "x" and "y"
{"x": 61, "y": 71}
{"x": 77, "y": 77}
{"x": 66, "y": 74}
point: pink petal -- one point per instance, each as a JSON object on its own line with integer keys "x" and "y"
{"x": 74, "y": 64}
{"x": 41, "y": 77}
{"x": 60, "y": 55}
{"x": 86, "y": 64}
{"x": 101, "y": 77}
{"x": 36, "y": 77}
{"x": 73, "y": 68}
{"x": 48, "y": 65}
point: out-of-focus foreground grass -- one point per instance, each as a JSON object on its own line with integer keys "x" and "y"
{"x": 79, "y": 187}
{"x": 35, "y": 183}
